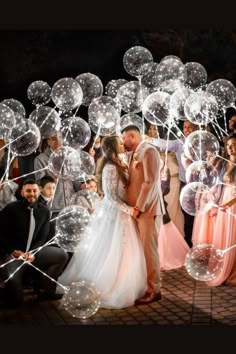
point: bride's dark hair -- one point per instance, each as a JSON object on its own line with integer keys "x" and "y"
{"x": 109, "y": 148}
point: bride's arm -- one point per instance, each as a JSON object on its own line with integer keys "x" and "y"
{"x": 110, "y": 188}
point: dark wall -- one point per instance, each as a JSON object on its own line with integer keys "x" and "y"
{"x": 26, "y": 56}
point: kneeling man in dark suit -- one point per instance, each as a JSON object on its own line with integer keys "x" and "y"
{"x": 25, "y": 226}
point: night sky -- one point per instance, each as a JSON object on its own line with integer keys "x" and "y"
{"x": 27, "y": 55}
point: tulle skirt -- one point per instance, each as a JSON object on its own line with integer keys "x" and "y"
{"x": 111, "y": 257}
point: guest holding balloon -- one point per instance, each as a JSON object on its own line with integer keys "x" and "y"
{"x": 219, "y": 227}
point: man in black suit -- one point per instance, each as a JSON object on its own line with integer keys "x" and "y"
{"x": 15, "y": 220}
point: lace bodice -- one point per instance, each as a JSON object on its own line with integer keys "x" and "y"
{"x": 114, "y": 189}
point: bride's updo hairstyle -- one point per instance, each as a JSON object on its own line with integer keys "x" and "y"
{"x": 109, "y": 149}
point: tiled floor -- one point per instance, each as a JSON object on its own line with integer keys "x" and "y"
{"x": 184, "y": 302}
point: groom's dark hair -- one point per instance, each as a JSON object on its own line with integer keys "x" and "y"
{"x": 131, "y": 127}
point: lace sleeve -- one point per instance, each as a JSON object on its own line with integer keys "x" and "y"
{"x": 110, "y": 179}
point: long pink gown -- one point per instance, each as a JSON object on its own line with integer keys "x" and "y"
{"x": 172, "y": 247}
{"x": 219, "y": 229}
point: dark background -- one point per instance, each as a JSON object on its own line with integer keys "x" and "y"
{"x": 49, "y": 55}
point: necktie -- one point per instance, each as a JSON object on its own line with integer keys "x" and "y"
{"x": 31, "y": 229}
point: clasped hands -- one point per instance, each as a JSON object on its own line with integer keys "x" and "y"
{"x": 26, "y": 256}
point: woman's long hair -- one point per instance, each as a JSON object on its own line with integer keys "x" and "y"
{"x": 109, "y": 149}
{"x": 222, "y": 163}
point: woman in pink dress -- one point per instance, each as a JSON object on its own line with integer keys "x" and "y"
{"x": 224, "y": 234}
{"x": 172, "y": 246}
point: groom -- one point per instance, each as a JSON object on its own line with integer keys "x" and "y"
{"x": 144, "y": 193}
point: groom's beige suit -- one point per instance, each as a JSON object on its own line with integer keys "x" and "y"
{"x": 144, "y": 192}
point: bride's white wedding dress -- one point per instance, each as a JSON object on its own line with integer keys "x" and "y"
{"x": 111, "y": 256}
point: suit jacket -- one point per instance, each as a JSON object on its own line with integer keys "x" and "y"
{"x": 144, "y": 190}
{"x": 14, "y": 226}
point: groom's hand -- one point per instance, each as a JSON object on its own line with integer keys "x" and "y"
{"x": 136, "y": 212}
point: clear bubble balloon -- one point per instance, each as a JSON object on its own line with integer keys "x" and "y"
{"x": 177, "y": 102}
{"x": 86, "y": 199}
{"x": 72, "y": 222}
{"x": 103, "y": 115}
{"x": 25, "y": 138}
{"x": 201, "y": 171}
{"x": 91, "y": 85}
{"x": 131, "y": 119}
{"x": 134, "y": 58}
{"x": 76, "y": 132}
{"x": 201, "y": 145}
{"x": 156, "y": 108}
{"x": 65, "y": 162}
{"x": 7, "y": 121}
{"x": 87, "y": 165}
{"x": 39, "y": 93}
{"x": 82, "y": 300}
{"x": 194, "y": 197}
{"x": 171, "y": 69}
{"x": 167, "y": 57}
{"x": 69, "y": 245}
{"x": 224, "y": 92}
{"x": 131, "y": 96}
{"x": 196, "y": 75}
{"x": 170, "y": 86}
{"x": 204, "y": 262}
{"x": 113, "y": 86}
{"x": 15, "y": 105}
{"x": 67, "y": 94}
{"x": 149, "y": 78}
{"x": 47, "y": 120}
{"x": 201, "y": 107}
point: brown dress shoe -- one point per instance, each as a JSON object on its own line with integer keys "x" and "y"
{"x": 148, "y": 298}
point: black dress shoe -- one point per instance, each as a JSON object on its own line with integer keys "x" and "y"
{"x": 43, "y": 296}
{"x": 148, "y": 298}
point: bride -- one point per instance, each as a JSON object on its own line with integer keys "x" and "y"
{"x": 111, "y": 255}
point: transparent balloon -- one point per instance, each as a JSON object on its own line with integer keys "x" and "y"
{"x": 196, "y": 197}
{"x": 82, "y": 300}
{"x": 149, "y": 78}
{"x": 86, "y": 199}
{"x": 103, "y": 115}
{"x": 177, "y": 102}
{"x": 76, "y": 132}
{"x": 171, "y": 69}
{"x": 87, "y": 165}
{"x": 39, "y": 93}
{"x": 201, "y": 171}
{"x": 156, "y": 108}
{"x": 91, "y": 85}
{"x": 67, "y": 94}
{"x": 167, "y": 57}
{"x": 69, "y": 245}
{"x": 131, "y": 96}
{"x": 65, "y": 163}
{"x": 224, "y": 92}
{"x": 201, "y": 108}
{"x": 113, "y": 86}
{"x": 7, "y": 121}
{"x": 134, "y": 58}
{"x": 201, "y": 145}
{"x": 47, "y": 120}
{"x": 15, "y": 105}
{"x": 131, "y": 119}
{"x": 72, "y": 223}
{"x": 196, "y": 75}
{"x": 25, "y": 138}
{"x": 170, "y": 86}
{"x": 204, "y": 262}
